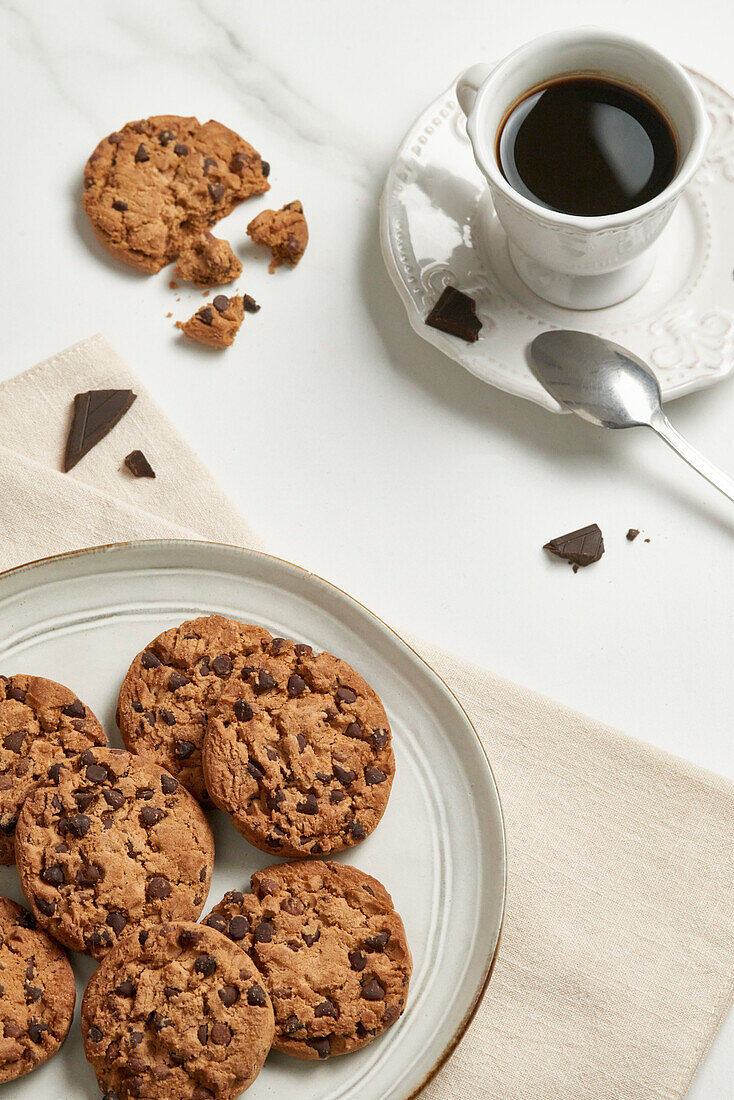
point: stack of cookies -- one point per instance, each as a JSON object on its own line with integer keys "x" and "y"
{"x": 115, "y": 857}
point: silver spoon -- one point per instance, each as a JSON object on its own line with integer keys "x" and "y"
{"x": 611, "y": 387}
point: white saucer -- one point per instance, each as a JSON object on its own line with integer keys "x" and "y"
{"x": 432, "y": 235}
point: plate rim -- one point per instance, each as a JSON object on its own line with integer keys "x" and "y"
{"x": 247, "y": 552}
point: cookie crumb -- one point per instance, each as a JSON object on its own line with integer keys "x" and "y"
{"x": 209, "y": 262}
{"x": 169, "y": 315}
{"x": 173, "y": 284}
{"x": 283, "y": 231}
{"x": 215, "y": 325}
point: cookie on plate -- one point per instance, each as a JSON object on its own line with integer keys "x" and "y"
{"x": 37, "y": 993}
{"x": 298, "y": 752}
{"x": 40, "y": 722}
{"x": 331, "y": 950}
{"x": 169, "y": 687}
{"x": 283, "y": 231}
{"x": 113, "y": 841}
{"x": 215, "y": 325}
{"x": 151, "y": 188}
{"x": 177, "y": 1012}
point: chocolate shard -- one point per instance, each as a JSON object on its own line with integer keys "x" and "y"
{"x": 95, "y": 414}
{"x": 456, "y": 314}
{"x": 580, "y": 547}
{"x": 632, "y": 534}
{"x": 138, "y": 464}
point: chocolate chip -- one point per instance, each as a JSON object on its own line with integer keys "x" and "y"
{"x": 137, "y": 706}
{"x": 216, "y": 921}
{"x": 221, "y": 302}
{"x": 126, "y": 988}
{"x": 138, "y": 464}
{"x": 264, "y": 932}
{"x": 250, "y": 306}
{"x": 180, "y": 149}
{"x": 209, "y": 162}
{"x": 294, "y": 906}
{"x": 143, "y": 937}
{"x": 206, "y": 317}
{"x": 74, "y": 710}
{"x": 265, "y": 682}
{"x": 296, "y": 685}
{"x": 242, "y": 711}
{"x": 378, "y": 942}
{"x": 356, "y": 829}
{"x": 254, "y": 770}
{"x": 310, "y": 938}
{"x": 322, "y": 1045}
{"x": 133, "y": 1085}
{"x": 238, "y": 928}
{"x": 15, "y": 693}
{"x": 182, "y": 750}
{"x": 48, "y": 908}
{"x": 83, "y": 798}
{"x": 113, "y": 797}
{"x": 326, "y": 1008}
{"x": 265, "y": 168}
{"x": 94, "y": 1034}
{"x": 202, "y": 1093}
{"x": 189, "y": 937}
{"x": 33, "y": 993}
{"x": 222, "y": 665}
{"x": 169, "y": 785}
{"x": 292, "y": 1024}
{"x": 159, "y": 887}
{"x": 202, "y": 1034}
{"x": 379, "y": 738}
{"x": 229, "y": 995}
{"x": 53, "y": 875}
{"x": 168, "y": 716}
{"x": 205, "y": 965}
{"x": 301, "y": 742}
{"x": 88, "y": 876}
{"x": 216, "y": 191}
{"x": 337, "y": 796}
{"x": 239, "y": 162}
{"x": 170, "y": 991}
{"x": 115, "y": 139}
{"x": 26, "y": 919}
{"x": 256, "y": 996}
{"x": 274, "y": 799}
{"x": 157, "y": 1021}
{"x": 373, "y": 775}
{"x": 78, "y": 824}
{"x": 117, "y": 922}
{"x": 141, "y": 155}
{"x": 177, "y": 680}
{"x": 151, "y": 815}
{"x": 144, "y": 793}
{"x": 346, "y": 695}
{"x": 14, "y": 741}
{"x": 373, "y": 991}
{"x": 221, "y": 1035}
{"x": 165, "y": 136}
{"x": 149, "y": 660}
{"x": 345, "y": 775}
{"x": 96, "y": 773}
{"x": 99, "y": 938}
{"x": 354, "y": 730}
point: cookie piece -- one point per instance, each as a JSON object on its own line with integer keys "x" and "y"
{"x": 170, "y": 686}
{"x": 284, "y": 231}
{"x": 37, "y": 993}
{"x": 208, "y": 262}
{"x": 154, "y": 186}
{"x": 177, "y": 1012}
{"x": 41, "y": 722}
{"x": 113, "y": 842}
{"x": 331, "y": 950}
{"x": 215, "y": 325}
{"x": 298, "y": 752}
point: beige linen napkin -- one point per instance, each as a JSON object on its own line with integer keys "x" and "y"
{"x": 616, "y": 960}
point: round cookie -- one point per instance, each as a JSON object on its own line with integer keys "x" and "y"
{"x": 113, "y": 842}
{"x": 330, "y": 948}
{"x": 37, "y": 993}
{"x": 298, "y": 752}
{"x": 177, "y": 1012}
{"x": 152, "y": 188}
{"x": 40, "y": 722}
{"x": 169, "y": 687}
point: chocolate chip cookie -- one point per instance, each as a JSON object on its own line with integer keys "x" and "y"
{"x": 208, "y": 261}
{"x": 169, "y": 687}
{"x": 215, "y": 325}
{"x": 151, "y": 188}
{"x": 37, "y": 993}
{"x": 112, "y": 841}
{"x": 283, "y": 231}
{"x": 331, "y": 950}
{"x": 40, "y": 722}
{"x": 298, "y": 752}
{"x": 177, "y": 1012}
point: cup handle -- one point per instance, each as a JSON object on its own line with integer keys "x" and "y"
{"x": 469, "y": 84}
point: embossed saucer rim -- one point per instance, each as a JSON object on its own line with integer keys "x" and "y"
{"x": 688, "y": 352}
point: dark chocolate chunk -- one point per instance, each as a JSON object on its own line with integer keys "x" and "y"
{"x": 265, "y": 168}
{"x": 216, "y": 191}
{"x": 249, "y": 304}
{"x": 238, "y": 928}
{"x": 205, "y": 965}
{"x": 456, "y": 314}
{"x": 158, "y": 887}
{"x": 256, "y": 996}
{"x": 138, "y": 464}
{"x": 180, "y": 149}
{"x": 141, "y": 155}
{"x": 373, "y": 991}
{"x": 322, "y": 1045}
{"x": 242, "y": 711}
{"x": 95, "y": 414}
{"x": 296, "y": 685}
{"x": 222, "y": 665}
{"x": 75, "y": 710}
{"x": 580, "y": 547}
{"x": 632, "y": 534}
{"x": 220, "y": 303}
{"x": 205, "y": 315}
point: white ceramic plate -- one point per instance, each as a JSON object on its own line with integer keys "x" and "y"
{"x": 438, "y": 227}
{"x": 439, "y": 849}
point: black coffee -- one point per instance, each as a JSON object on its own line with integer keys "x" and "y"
{"x": 585, "y": 145}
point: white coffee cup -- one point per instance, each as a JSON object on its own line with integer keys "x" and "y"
{"x": 573, "y": 261}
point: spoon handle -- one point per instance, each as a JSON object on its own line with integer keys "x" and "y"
{"x": 694, "y": 458}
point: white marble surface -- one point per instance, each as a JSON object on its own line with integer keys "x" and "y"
{"x": 352, "y": 446}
